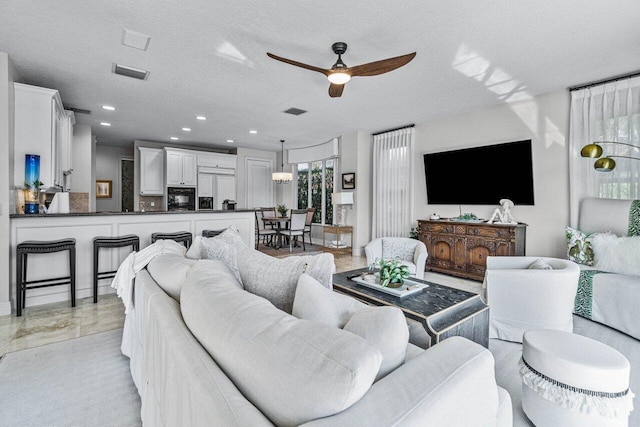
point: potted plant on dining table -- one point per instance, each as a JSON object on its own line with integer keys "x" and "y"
{"x": 282, "y": 210}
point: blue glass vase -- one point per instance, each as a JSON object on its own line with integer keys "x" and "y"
{"x": 31, "y": 168}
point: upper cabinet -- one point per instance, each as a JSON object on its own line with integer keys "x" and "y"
{"x": 217, "y": 160}
{"x": 151, "y": 171}
{"x": 181, "y": 167}
{"x": 44, "y": 128}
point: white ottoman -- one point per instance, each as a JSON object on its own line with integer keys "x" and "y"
{"x": 571, "y": 380}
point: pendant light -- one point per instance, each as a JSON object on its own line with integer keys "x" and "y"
{"x": 282, "y": 177}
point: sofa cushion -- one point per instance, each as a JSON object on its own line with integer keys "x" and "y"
{"x": 228, "y": 235}
{"x": 170, "y": 271}
{"x": 276, "y": 278}
{"x": 540, "y": 264}
{"x": 213, "y": 248}
{"x": 293, "y": 370}
{"x": 384, "y": 327}
{"x": 579, "y": 247}
{"x": 617, "y": 254}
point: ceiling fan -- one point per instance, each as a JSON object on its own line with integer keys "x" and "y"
{"x": 339, "y": 73}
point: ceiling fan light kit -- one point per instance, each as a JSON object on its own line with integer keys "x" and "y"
{"x": 340, "y": 73}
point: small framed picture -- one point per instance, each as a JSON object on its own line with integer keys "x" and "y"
{"x": 103, "y": 188}
{"x": 348, "y": 181}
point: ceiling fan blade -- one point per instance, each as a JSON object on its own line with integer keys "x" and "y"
{"x": 298, "y": 64}
{"x": 335, "y": 91}
{"x": 382, "y": 66}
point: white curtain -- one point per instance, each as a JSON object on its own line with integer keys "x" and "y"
{"x": 392, "y": 183}
{"x": 607, "y": 112}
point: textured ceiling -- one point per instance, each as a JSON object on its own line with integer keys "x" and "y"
{"x": 209, "y": 57}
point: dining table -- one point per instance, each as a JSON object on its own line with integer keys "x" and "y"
{"x": 277, "y": 223}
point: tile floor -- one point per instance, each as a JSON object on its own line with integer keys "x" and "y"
{"x": 46, "y": 324}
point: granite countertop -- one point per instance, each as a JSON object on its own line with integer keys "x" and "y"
{"x": 124, "y": 213}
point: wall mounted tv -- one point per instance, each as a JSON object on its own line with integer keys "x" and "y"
{"x": 480, "y": 175}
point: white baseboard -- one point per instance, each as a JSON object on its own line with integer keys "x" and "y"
{"x": 5, "y": 308}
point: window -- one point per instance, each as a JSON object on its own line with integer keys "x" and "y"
{"x": 315, "y": 186}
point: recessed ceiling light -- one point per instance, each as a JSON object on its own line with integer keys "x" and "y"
{"x": 201, "y": 118}
{"x": 230, "y": 140}
{"x": 174, "y": 138}
{"x": 253, "y": 131}
{"x": 186, "y": 129}
{"x": 105, "y": 124}
{"x": 108, "y": 107}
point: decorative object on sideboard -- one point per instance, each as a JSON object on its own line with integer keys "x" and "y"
{"x": 103, "y": 188}
{"x": 282, "y": 177}
{"x": 349, "y": 181}
{"x": 605, "y": 164}
{"x": 504, "y": 216}
{"x": 434, "y": 217}
{"x": 340, "y": 200}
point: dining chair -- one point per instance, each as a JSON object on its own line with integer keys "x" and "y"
{"x": 296, "y": 227}
{"x": 262, "y": 231}
{"x": 308, "y": 223}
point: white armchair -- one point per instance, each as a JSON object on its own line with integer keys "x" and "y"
{"x": 412, "y": 252}
{"x": 522, "y": 298}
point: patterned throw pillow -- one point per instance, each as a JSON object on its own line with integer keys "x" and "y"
{"x": 579, "y": 248}
{"x": 401, "y": 249}
{"x": 215, "y": 248}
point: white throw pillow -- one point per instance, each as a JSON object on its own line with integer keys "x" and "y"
{"x": 229, "y": 235}
{"x": 214, "y": 248}
{"x": 617, "y": 254}
{"x": 170, "y": 272}
{"x": 384, "y": 327}
{"x": 195, "y": 250}
{"x": 276, "y": 279}
{"x": 294, "y": 371}
{"x": 540, "y": 264}
{"x": 400, "y": 249}
{"x": 314, "y": 301}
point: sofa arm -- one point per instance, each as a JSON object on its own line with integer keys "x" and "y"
{"x": 373, "y": 250}
{"x": 420, "y": 258}
{"x": 451, "y": 384}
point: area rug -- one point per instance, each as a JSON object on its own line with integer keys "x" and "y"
{"x": 81, "y": 382}
{"x": 284, "y": 251}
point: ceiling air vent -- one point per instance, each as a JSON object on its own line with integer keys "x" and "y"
{"x": 295, "y": 111}
{"x": 135, "y": 73}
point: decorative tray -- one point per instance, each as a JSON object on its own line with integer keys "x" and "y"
{"x": 409, "y": 287}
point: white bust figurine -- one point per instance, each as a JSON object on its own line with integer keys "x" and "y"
{"x": 505, "y": 216}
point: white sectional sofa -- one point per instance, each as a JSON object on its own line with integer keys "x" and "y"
{"x": 208, "y": 352}
{"x": 609, "y": 290}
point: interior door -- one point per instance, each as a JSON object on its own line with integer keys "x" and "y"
{"x": 258, "y": 183}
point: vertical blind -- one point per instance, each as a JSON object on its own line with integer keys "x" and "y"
{"x": 392, "y": 183}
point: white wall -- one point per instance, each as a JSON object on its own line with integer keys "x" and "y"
{"x": 8, "y": 75}
{"x": 108, "y": 167}
{"x": 82, "y": 148}
{"x": 543, "y": 119}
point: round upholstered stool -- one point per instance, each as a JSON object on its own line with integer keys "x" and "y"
{"x": 184, "y": 237}
{"x": 43, "y": 247}
{"x": 572, "y": 380}
{"x": 109, "y": 242}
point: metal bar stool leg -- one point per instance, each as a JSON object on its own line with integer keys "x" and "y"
{"x": 19, "y": 283}
{"x": 72, "y": 273}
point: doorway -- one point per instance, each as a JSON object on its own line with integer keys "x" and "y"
{"x": 126, "y": 184}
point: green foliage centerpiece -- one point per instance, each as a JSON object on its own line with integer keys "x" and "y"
{"x": 393, "y": 273}
{"x": 282, "y": 210}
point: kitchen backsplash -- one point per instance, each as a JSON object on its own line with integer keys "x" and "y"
{"x": 146, "y": 202}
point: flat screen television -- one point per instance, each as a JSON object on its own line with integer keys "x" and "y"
{"x": 480, "y": 175}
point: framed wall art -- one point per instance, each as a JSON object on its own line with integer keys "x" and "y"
{"x": 349, "y": 181}
{"x": 103, "y": 189}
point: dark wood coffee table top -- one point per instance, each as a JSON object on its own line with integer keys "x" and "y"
{"x": 437, "y": 307}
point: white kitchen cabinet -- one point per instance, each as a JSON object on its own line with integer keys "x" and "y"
{"x": 44, "y": 128}
{"x": 181, "y": 168}
{"x": 225, "y": 189}
{"x": 217, "y": 160}
{"x": 205, "y": 185}
{"x": 151, "y": 171}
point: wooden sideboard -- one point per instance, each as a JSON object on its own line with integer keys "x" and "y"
{"x": 461, "y": 248}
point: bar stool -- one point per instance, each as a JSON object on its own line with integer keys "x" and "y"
{"x": 211, "y": 233}
{"x": 183, "y": 237}
{"x": 43, "y": 247}
{"x": 109, "y": 242}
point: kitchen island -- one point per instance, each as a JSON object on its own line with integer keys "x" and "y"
{"x": 85, "y": 226}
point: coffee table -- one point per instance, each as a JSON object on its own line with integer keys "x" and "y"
{"x": 442, "y": 311}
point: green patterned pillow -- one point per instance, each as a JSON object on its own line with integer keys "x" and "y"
{"x": 579, "y": 247}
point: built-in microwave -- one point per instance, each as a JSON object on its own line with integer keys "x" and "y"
{"x": 205, "y": 203}
{"x": 181, "y": 198}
